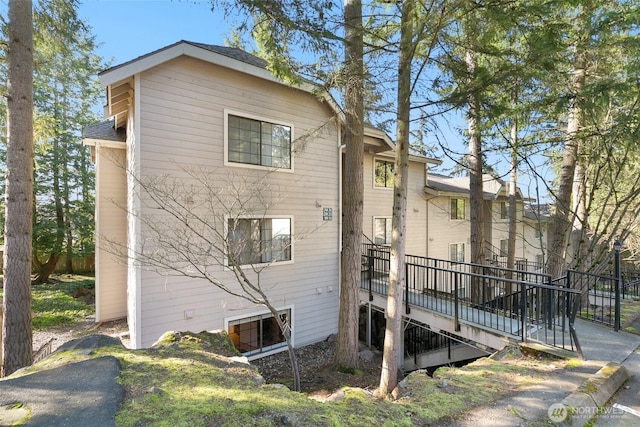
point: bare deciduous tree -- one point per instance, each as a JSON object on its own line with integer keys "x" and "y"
{"x": 200, "y": 224}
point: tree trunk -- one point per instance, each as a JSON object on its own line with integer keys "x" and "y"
{"x": 579, "y": 231}
{"x": 513, "y": 185}
{"x": 45, "y": 270}
{"x": 476, "y": 197}
{"x": 347, "y": 354}
{"x": 16, "y": 335}
{"x": 392, "y": 360}
{"x": 561, "y": 219}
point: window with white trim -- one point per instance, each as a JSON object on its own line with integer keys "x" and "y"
{"x": 456, "y": 252}
{"x": 504, "y": 210}
{"x": 384, "y": 171}
{"x": 504, "y": 247}
{"x": 382, "y": 231}
{"x": 258, "y": 240}
{"x": 457, "y": 209}
{"x": 258, "y": 142}
{"x": 260, "y": 333}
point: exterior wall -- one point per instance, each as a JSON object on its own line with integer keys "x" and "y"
{"x": 111, "y": 225}
{"x": 182, "y": 115}
{"x": 500, "y": 230}
{"x": 533, "y": 245}
{"x": 378, "y": 202}
{"x": 444, "y": 231}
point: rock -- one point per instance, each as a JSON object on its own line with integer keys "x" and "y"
{"x": 156, "y": 390}
{"x": 339, "y": 395}
{"x": 240, "y": 359}
{"x": 86, "y": 344}
{"x": 367, "y": 355}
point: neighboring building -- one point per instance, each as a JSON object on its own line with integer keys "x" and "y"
{"x": 378, "y": 194}
{"x": 535, "y": 226}
{"x": 449, "y": 224}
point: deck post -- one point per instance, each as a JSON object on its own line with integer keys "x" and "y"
{"x": 407, "y": 309}
{"x": 523, "y": 311}
{"x": 616, "y": 252}
{"x": 456, "y": 320}
{"x": 370, "y": 262}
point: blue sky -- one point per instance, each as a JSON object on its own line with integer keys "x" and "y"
{"x": 126, "y": 29}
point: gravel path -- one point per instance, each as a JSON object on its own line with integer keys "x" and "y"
{"x": 60, "y": 335}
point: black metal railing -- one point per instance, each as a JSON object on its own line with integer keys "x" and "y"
{"x": 516, "y": 303}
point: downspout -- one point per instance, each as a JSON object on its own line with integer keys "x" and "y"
{"x": 134, "y": 286}
{"x": 341, "y": 148}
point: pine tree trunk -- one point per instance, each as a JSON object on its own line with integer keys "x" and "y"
{"x": 16, "y": 334}
{"x": 392, "y": 359}
{"x": 476, "y": 196}
{"x": 347, "y": 354}
{"x": 561, "y": 220}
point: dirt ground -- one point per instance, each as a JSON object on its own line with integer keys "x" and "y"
{"x": 319, "y": 377}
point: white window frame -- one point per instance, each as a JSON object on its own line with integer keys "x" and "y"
{"x": 388, "y": 220}
{"x": 457, "y": 251}
{"x": 256, "y": 354}
{"x": 504, "y": 250}
{"x": 249, "y": 116}
{"x": 464, "y": 209}
{"x": 379, "y": 159}
{"x": 504, "y": 210}
{"x": 291, "y": 247}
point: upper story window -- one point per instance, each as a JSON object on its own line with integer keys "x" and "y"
{"x": 457, "y": 209}
{"x": 382, "y": 231}
{"x": 258, "y": 142}
{"x": 504, "y": 210}
{"x": 259, "y": 240}
{"x": 384, "y": 171}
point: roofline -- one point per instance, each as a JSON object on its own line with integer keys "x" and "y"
{"x": 96, "y": 142}
{"x": 382, "y": 135}
{"x": 130, "y": 68}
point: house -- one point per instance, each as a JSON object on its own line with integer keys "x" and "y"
{"x": 449, "y": 225}
{"x": 192, "y": 106}
{"x": 222, "y": 137}
{"x": 378, "y": 169}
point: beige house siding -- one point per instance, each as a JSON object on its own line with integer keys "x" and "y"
{"x": 444, "y": 231}
{"x": 111, "y": 225}
{"x": 182, "y": 115}
{"x": 378, "y": 203}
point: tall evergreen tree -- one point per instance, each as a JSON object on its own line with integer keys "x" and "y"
{"x": 16, "y": 304}
{"x": 347, "y": 354}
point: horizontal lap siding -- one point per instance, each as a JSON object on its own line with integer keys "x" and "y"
{"x": 111, "y": 225}
{"x": 378, "y": 202}
{"x": 182, "y": 123}
{"x": 443, "y": 230}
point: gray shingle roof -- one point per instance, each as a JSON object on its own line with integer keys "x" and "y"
{"x": 230, "y": 52}
{"x": 492, "y": 187}
{"x": 104, "y": 131}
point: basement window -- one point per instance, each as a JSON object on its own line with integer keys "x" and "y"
{"x": 259, "y": 334}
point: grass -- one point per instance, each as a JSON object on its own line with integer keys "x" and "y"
{"x": 185, "y": 382}
{"x": 53, "y": 304}
{"x": 193, "y": 380}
